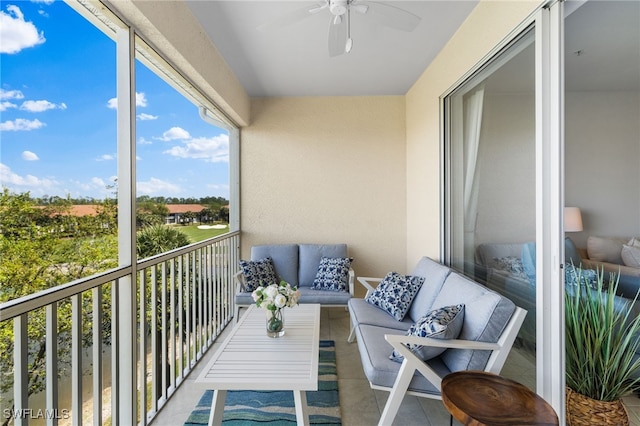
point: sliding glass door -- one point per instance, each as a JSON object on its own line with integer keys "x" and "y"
{"x": 503, "y": 189}
{"x": 524, "y": 139}
{"x": 602, "y": 145}
{"x": 491, "y": 184}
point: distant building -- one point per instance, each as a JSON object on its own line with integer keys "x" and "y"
{"x": 176, "y": 212}
{"x": 84, "y": 210}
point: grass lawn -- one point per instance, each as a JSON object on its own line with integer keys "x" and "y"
{"x": 196, "y": 234}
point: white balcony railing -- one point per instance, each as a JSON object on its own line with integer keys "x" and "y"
{"x": 184, "y": 301}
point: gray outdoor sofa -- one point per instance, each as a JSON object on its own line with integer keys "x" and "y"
{"x": 485, "y": 335}
{"x": 298, "y": 264}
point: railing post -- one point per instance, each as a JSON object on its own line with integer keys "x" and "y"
{"x": 76, "y": 358}
{"x": 97, "y": 354}
{"x": 52, "y": 362}
{"x": 21, "y": 372}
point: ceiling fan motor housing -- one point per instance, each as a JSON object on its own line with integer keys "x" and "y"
{"x": 338, "y": 7}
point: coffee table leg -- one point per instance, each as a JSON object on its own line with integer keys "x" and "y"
{"x": 302, "y": 414}
{"x": 217, "y": 407}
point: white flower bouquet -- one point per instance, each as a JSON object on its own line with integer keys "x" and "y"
{"x": 276, "y": 296}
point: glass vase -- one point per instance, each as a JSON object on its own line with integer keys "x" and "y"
{"x": 275, "y": 323}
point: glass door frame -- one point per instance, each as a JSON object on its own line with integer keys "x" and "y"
{"x": 548, "y": 24}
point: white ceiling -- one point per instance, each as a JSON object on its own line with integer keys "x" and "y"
{"x": 602, "y": 51}
{"x": 602, "y": 46}
{"x": 294, "y": 60}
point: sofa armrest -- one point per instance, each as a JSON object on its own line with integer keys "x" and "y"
{"x": 366, "y": 282}
{"x": 351, "y": 286}
{"x": 240, "y": 282}
{"x": 399, "y": 341}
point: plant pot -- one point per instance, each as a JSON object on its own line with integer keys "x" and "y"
{"x": 585, "y": 411}
{"x": 275, "y": 323}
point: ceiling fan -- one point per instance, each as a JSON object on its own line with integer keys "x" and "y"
{"x": 340, "y": 40}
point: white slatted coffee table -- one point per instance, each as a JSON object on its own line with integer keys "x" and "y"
{"x": 249, "y": 360}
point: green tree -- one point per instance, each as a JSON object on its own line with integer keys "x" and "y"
{"x": 150, "y": 213}
{"x": 187, "y": 217}
{"x": 158, "y": 239}
{"x": 151, "y": 241}
{"x": 223, "y": 214}
{"x": 40, "y": 248}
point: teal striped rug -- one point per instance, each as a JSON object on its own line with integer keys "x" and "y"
{"x": 276, "y": 408}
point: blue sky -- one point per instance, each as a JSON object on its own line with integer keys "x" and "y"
{"x": 58, "y": 121}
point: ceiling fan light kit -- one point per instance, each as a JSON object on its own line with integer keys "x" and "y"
{"x": 340, "y": 40}
{"x": 338, "y": 7}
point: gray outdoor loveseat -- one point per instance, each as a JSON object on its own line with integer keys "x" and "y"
{"x": 470, "y": 328}
{"x": 322, "y": 272}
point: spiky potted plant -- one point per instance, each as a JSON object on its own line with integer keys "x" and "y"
{"x": 602, "y": 341}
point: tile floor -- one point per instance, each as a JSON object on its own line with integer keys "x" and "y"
{"x": 360, "y": 405}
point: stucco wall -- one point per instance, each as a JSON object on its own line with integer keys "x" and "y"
{"x": 327, "y": 170}
{"x": 488, "y": 24}
{"x": 602, "y": 176}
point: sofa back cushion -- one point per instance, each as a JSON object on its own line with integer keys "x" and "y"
{"x": 486, "y": 315}
{"x": 284, "y": 258}
{"x": 606, "y": 249}
{"x": 571, "y": 253}
{"x": 310, "y": 256}
{"x": 489, "y": 254}
{"x": 434, "y": 274}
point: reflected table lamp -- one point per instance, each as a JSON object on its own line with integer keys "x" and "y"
{"x": 572, "y": 219}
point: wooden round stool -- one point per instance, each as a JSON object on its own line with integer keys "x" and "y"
{"x": 480, "y": 398}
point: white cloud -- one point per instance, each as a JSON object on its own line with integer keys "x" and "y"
{"x": 40, "y": 106}
{"x": 5, "y": 105}
{"x": 106, "y": 157}
{"x": 141, "y": 101}
{"x": 21, "y": 124}
{"x": 11, "y": 94}
{"x": 145, "y": 117}
{"x": 174, "y": 133}
{"x": 215, "y": 149}
{"x": 143, "y": 141}
{"x": 157, "y": 186}
{"x": 96, "y": 181}
{"x": 29, "y": 156}
{"x": 16, "y": 33}
{"x": 7, "y": 177}
{"x": 47, "y": 2}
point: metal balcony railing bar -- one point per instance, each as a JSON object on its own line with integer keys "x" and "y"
{"x": 184, "y": 302}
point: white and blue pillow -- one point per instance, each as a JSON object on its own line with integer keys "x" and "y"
{"x": 442, "y": 323}
{"x": 575, "y": 276}
{"x": 510, "y": 264}
{"x": 333, "y": 274}
{"x": 257, "y": 273}
{"x": 395, "y": 293}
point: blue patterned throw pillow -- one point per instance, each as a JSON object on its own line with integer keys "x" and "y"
{"x": 443, "y": 323}
{"x": 333, "y": 274}
{"x": 511, "y": 264}
{"x": 574, "y": 275}
{"x": 395, "y": 293}
{"x": 257, "y": 273}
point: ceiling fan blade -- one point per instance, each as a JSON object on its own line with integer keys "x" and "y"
{"x": 392, "y": 17}
{"x": 337, "y": 37}
{"x": 293, "y": 17}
